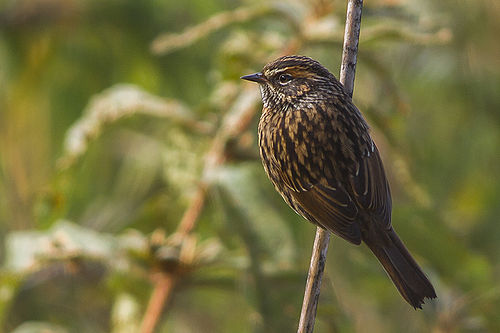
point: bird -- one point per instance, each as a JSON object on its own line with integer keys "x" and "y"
{"x": 316, "y": 149}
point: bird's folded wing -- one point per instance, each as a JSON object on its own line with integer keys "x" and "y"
{"x": 332, "y": 208}
{"x": 370, "y": 189}
{"x": 336, "y": 208}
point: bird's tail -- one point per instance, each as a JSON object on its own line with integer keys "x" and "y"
{"x": 403, "y": 270}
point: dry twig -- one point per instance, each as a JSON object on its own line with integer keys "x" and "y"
{"x": 234, "y": 123}
{"x": 320, "y": 248}
{"x": 164, "y": 284}
{"x": 169, "y": 42}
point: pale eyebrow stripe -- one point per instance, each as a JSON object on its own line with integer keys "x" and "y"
{"x": 279, "y": 70}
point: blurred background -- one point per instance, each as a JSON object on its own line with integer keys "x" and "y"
{"x": 132, "y": 195}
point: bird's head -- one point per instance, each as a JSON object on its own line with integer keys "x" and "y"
{"x": 293, "y": 80}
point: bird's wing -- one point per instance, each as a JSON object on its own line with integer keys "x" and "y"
{"x": 370, "y": 189}
{"x": 331, "y": 208}
{"x": 336, "y": 207}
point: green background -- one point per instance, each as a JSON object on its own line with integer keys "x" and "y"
{"x": 111, "y": 121}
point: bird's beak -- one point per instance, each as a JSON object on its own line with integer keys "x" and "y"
{"x": 256, "y": 77}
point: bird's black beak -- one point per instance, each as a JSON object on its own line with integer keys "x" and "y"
{"x": 256, "y": 77}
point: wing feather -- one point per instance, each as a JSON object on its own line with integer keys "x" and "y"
{"x": 370, "y": 188}
{"x": 335, "y": 203}
{"x": 331, "y": 208}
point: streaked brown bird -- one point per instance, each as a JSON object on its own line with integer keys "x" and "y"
{"x": 316, "y": 148}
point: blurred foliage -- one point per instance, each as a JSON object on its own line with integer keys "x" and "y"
{"x": 117, "y": 117}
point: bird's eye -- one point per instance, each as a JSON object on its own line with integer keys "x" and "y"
{"x": 285, "y": 78}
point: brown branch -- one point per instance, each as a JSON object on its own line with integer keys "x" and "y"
{"x": 164, "y": 285}
{"x": 192, "y": 213}
{"x": 313, "y": 285}
{"x": 320, "y": 248}
{"x": 350, "y": 49}
{"x": 235, "y": 122}
{"x": 169, "y": 42}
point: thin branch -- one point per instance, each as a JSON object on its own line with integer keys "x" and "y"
{"x": 169, "y": 42}
{"x": 235, "y": 122}
{"x": 164, "y": 285}
{"x": 393, "y": 30}
{"x": 313, "y": 285}
{"x": 193, "y": 211}
{"x": 320, "y": 248}
{"x": 350, "y": 49}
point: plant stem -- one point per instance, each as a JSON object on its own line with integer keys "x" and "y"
{"x": 313, "y": 285}
{"x": 350, "y": 49}
{"x": 320, "y": 248}
{"x": 164, "y": 285}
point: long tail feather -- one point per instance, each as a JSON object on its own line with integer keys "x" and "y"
{"x": 403, "y": 270}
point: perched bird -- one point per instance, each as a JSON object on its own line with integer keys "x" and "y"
{"x": 316, "y": 149}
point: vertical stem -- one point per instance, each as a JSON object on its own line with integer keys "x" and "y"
{"x": 350, "y": 49}
{"x": 164, "y": 284}
{"x": 320, "y": 248}
{"x": 313, "y": 285}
